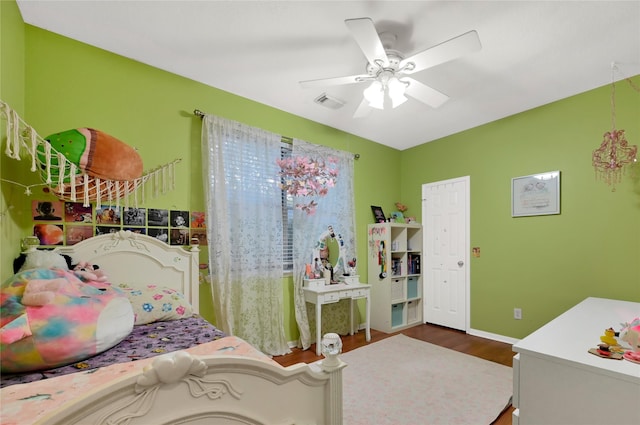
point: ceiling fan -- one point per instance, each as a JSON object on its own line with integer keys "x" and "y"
{"x": 388, "y": 70}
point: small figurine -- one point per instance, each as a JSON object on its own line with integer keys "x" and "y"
{"x": 631, "y": 334}
{"x": 352, "y": 267}
{"x": 609, "y": 337}
{"x": 603, "y": 350}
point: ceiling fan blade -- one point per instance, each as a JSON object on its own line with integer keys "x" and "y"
{"x": 367, "y": 38}
{"x": 443, "y": 52}
{"x": 363, "y": 109}
{"x": 336, "y": 81}
{"x": 424, "y": 93}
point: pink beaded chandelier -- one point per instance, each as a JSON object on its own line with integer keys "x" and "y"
{"x": 614, "y": 152}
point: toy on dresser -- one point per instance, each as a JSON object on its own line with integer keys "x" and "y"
{"x": 631, "y": 335}
{"x": 609, "y": 337}
{"x": 610, "y": 348}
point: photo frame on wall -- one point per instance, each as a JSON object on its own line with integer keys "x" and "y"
{"x": 49, "y": 234}
{"x": 75, "y": 234}
{"x": 158, "y": 217}
{"x": 378, "y": 214}
{"x": 179, "y": 218}
{"x": 134, "y": 217}
{"x": 535, "y": 194}
{"x": 47, "y": 210}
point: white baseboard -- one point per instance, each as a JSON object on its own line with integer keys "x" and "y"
{"x": 495, "y": 337}
{"x": 474, "y": 332}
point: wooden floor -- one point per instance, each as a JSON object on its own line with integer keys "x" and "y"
{"x": 487, "y": 349}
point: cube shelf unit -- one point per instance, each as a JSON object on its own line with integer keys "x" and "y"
{"x": 395, "y": 275}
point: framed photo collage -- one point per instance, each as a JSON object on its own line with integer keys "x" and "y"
{"x": 67, "y": 223}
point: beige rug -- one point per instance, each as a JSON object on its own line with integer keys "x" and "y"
{"x": 404, "y": 381}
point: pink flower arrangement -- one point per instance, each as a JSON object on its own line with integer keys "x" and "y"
{"x": 308, "y": 177}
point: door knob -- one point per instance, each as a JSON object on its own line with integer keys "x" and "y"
{"x": 460, "y": 263}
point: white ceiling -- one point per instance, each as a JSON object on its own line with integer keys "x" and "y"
{"x": 533, "y": 52}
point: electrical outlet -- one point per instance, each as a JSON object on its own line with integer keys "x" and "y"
{"x": 517, "y": 313}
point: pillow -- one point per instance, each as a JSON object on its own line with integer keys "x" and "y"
{"x": 50, "y": 318}
{"x": 94, "y": 152}
{"x": 153, "y": 303}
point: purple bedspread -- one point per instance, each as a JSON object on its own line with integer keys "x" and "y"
{"x": 143, "y": 342}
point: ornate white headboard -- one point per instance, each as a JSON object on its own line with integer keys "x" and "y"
{"x": 127, "y": 257}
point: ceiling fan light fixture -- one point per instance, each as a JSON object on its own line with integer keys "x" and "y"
{"x": 385, "y": 66}
{"x": 396, "y": 87}
{"x": 396, "y": 90}
{"x": 375, "y": 95}
{"x": 398, "y": 100}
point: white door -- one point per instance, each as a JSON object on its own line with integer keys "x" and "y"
{"x": 445, "y": 223}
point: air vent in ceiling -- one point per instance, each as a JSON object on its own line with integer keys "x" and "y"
{"x": 328, "y": 101}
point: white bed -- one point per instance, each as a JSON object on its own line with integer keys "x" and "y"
{"x": 181, "y": 387}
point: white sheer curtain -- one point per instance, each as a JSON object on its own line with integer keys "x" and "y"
{"x": 335, "y": 209}
{"x": 245, "y": 231}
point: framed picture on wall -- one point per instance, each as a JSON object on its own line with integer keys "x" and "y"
{"x": 47, "y": 210}
{"x": 76, "y": 212}
{"x": 198, "y": 219}
{"x": 378, "y": 214}
{"x": 158, "y": 217}
{"x": 49, "y": 234}
{"x": 134, "y": 216}
{"x": 75, "y": 234}
{"x": 107, "y": 214}
{"x": 179, "y": 237}
{"x": 535, "y": 194}
{"x": 200, "y": 235}
{"x": 160, "y": 234}
{"x": 179, "y": 218}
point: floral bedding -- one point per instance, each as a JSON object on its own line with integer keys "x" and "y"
{"x": 143, "y": 342}
{"x": 26, "y": 404}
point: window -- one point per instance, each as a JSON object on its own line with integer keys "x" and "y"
{"x": 287, "y": 217}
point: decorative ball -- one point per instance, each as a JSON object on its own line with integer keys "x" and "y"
{"x": 331, "y": 344}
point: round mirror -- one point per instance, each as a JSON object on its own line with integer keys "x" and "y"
{"x": 330, "y": 249}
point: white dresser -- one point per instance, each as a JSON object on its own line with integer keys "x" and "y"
{"x": 556, "y": 380}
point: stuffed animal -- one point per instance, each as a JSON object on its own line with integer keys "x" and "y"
{"x": 89, "y": 272}
{"x": 631, "y": 334}
{"x": 41, "y": 259}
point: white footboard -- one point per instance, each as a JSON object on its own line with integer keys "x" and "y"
{"x": 183, "y": 389}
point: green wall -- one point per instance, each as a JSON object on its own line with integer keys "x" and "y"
{"x": 68, "y": 84}
{"x": 12, "y": 48}
{"x": 542, "y": 264}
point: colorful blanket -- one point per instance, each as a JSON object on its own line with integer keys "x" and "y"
{"x": 145, "y": 341}
{"x": 52, "y": 317}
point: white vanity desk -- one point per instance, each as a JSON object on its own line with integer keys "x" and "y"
{"x": 329, "y": 294}
{"x": 556, "y": 381}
